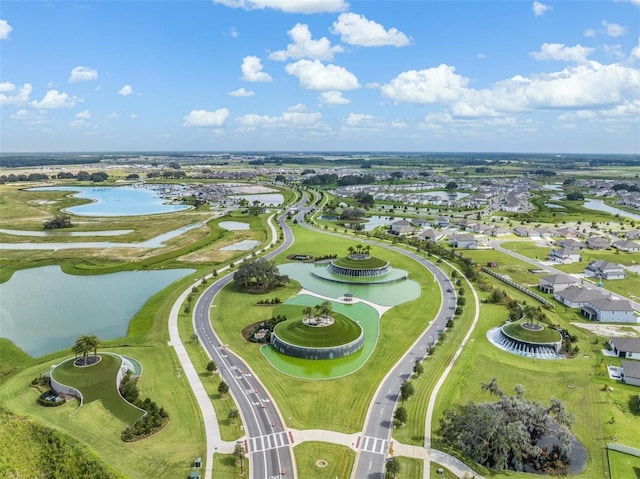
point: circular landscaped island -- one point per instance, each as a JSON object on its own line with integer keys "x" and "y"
{"x": 527, "y": 339}
{"x": 360, "y": 267}
{"x": 325, "y": 335}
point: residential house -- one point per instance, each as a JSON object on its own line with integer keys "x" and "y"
{"x": 602, "y": 269}
{"x": 420, "y": 222}
{"x": 499, "y": 231}
{"x": 430, "y": 235}
{"x": 609, "y": 309}
{"x": 633, "y": 235}
{"x": 597, "y": 242}
{"x": 571, "y": 243}
{"x": 627, "y": 246}
{"x": 569, "y": 232}
{"x": 576, "y": 296}
{"x": 441, "y": 222}
{"x": 522, "y": 231}
{"x": 631, "y": 372}
{"x": 564, "y": 255}
{"x": 544, "y": 232}
{"x": 401, "y": 227}
{"x": 556, "y": 282}
{"x": 463, "y": 241}
{"x": 628, "y": 348}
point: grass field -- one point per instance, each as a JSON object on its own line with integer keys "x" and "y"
{"x": 98, "y": 383}
{"x": 342, "y": 331}
{"x": 623, "y": 466}
{"x": 517, "y": 331}
{"x": 370, "y": 263}
{"x": 342, "y": 412}
{"x": 319, "y": 460}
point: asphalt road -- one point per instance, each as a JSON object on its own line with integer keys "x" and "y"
{"x": 267, "y": 440}
{"x": 374, "y": 445}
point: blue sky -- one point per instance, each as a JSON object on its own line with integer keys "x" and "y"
{"x": 220, "y": 75}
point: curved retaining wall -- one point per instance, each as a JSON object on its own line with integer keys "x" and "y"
{"x": 317, "y": 353}
{"x": 555, "y": 345}
{"x": 359, "y": 273}
{"x": 64, "y": 389}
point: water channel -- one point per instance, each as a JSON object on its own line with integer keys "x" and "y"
{"x": 43, "y": 310}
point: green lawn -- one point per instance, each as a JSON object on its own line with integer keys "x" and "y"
{"x": 517, "y": 331}
{"x": 370, "y": 263}
{"x": 98, "y": 383}
{"x": 319, "y": 460}
{"x": 294, "y": 331}
{"x": 340, "y": 412}
{"x": 623, "y": 466}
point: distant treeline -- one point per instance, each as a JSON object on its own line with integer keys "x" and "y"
{"x": 21, "y": 161}
{"x": 96, "y": 177}
{"x": 327, "y": 179}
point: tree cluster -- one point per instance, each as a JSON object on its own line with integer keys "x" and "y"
{"x": 258, "y": 275}
{"x": 352, "y": 214}
{"x": 511, "y": 434}
{"x": 270, "y": 301}
{"x": 58, "y": 221}
{"x": 154, "y": 419}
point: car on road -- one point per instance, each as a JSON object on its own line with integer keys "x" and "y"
{"x": 449, "y": 290}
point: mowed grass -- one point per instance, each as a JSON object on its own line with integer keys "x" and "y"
{"x": 517, "y": 331}
{"x": 623, "y": 466}
{"x": 410, "y": 467}
{"x": 342, "y": 411}
{"x": 342, "y": 331}
{"x": 98, "y": 383}
{"x": 369, "y": 263}
{"x": 319, "y": 460}
{"x": 479, "y": 361}
{"x": 225, "y": 466}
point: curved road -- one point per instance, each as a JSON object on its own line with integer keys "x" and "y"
{"x": 267, "y": 440}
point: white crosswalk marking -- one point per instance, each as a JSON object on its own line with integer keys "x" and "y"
{"x": 269, "y": 441}
{"x": 374, "y": 444}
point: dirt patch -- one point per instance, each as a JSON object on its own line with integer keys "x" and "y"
{"x": 611, "y": 330}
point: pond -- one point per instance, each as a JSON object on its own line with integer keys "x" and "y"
{"x": 266, "y": 198}
{"x": 117, "y": 200}
{"x": 245, "y": 245}
{"x": 234, "y": 225}
{"x": 53, "y": 233}
{"x": 44, "y": 310}
{"x": 155, "y": 242}
{"x": 600, "y": 205}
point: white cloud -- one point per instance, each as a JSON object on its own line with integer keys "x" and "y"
{"x": 113, "y": 116}
{"x": 399, "y": 125}
{"x": 613, "y": 50}
{"x": 289, "y": 6}
{"x": 540, "y": 9}
{"x": 17, "y": 95}
{"x": 588, "y": 85}
{"x": 559, "y": 51}
{"x": 590, "y": 33}
{"x": 635, "y": 51}
{"x": 481, "y": 56}
{"x": 233, "y": 32}
{"x": 5, "y": 29}
{"x": 355, "y": 29}
{"x": 83, "y": 115}
{"x": 313, "y": 75}
{"x": 54, "y": 99}
{"x": 359, "y": 119}
{"x": 125, "y": 90}
{"x": 295, "y": 116}
{"x": 206, "y": 118}
{"x": 613, "y": 29}
{"x": 252, "y": 70}
{"x": 303, "y": 46}
{"x": 333, "y": 98}
{"x": 241, "y": 93}
{"x": 433, "y": 85}
{"x": 29, "y": 116}
{"x": 82, "y": 74}
{"x": 134, "y": 116}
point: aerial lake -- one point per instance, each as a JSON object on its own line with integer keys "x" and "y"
{"x": 599, "y": 205}
{"x": 117, "y": 200}
{"x": 43, "y": 310}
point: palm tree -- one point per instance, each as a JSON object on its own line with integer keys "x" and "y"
{"x": 367, "y": 249}
{"x": 307, "y": 312}
{"x": 93, "y": 343}
{"x": 351, "y": 250}
{"x": 82, "y": 346}
{"x": 325, "y": 309}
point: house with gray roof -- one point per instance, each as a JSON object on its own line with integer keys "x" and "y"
{"x": 633, "y": 235}
{"x": 556, "y": 282}
{"x": 430, "y": 235}
{"x": 442, "y": 222}
{"x": 628, "y": 348}
{"x": 463, "y": 241}
{"x": 571, "y": 243}
{"x": 597, "y": 242}
{"x": 576, "y": 296}
{"x": 631, "y": 372}
{"x": 401, "y": 227}
{"x": 564, "y": 255}
{"x": 605, "y": 270}
{"x": 609, "y": 309}
{"x": 626, "y": 246}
